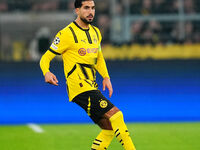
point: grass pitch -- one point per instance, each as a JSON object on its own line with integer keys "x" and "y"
{"x": 148, "y": 136}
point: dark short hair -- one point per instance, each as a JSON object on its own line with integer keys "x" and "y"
{"x": 78, "y": 3}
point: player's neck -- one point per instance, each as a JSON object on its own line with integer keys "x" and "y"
{"x": 81, "y": 23}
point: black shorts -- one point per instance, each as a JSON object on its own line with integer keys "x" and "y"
{"x": 94, "y": 103}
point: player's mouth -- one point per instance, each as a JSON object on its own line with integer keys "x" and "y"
{"x": 90, "y": 17}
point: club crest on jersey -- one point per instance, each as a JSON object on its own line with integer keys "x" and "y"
{"x": 82, "y": 51}
{"x": 56, "y": 40}
{"x": 103, "y": 103}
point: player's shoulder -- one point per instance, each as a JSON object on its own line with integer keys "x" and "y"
{"x": 95, "y": 28}
{"x": 65, "y": 32}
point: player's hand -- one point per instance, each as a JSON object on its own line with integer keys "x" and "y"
{"x": 107, "y": 83}
{"x": 51, "y": 78}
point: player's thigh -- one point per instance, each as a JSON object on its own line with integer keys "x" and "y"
{"x": 95, "y": 104}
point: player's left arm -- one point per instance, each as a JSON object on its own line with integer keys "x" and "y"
{"x": 107, "y": 83}
{"x": 102, "y": 69}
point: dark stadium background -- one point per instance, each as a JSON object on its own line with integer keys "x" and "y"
{"x": 161, "y": 86}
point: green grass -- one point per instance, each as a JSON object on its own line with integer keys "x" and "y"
{"x": 148, "y": 136}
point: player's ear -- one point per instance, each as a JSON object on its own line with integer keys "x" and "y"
{"x": 77, "y": 11}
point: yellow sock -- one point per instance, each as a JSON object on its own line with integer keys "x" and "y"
{"x": 103, "y": 140}
{"x": 121, "y": 131}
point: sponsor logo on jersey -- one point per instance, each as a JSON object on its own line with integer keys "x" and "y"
{"x": 92, "y": 50}
{"x": 82, "y": 51}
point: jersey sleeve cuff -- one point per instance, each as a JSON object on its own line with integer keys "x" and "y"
{"x": 106, "y": 76}
{"x": 45, "y": 72}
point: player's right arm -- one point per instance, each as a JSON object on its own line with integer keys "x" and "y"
{"x": 58, "y": 47}
{"x": 44, "y": 65}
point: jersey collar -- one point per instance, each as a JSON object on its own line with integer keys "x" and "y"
{"x": 80, "y": 27}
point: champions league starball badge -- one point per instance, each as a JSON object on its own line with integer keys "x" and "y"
{"x": 57, "y": 40}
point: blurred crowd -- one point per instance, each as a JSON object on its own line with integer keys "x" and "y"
{"x": 141, "y": 32}
{"x": 35, "y": 5}
{"x": 161, "y": 32}
{"x": 154, "y": 32}
{"x": 144, "y": 7}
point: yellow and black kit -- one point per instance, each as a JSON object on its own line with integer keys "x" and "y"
{"x": 82, "y": 57}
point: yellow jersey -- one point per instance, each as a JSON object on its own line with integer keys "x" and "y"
{"x": 82, "y": 57}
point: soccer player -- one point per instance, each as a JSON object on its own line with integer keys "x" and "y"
{"x": 79, "y": 45}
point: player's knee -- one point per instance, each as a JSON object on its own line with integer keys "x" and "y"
{"x": 111, "y": 112}
{"x": 104, "y": 123}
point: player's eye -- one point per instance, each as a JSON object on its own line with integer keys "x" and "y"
{"x": 86, "y": 7}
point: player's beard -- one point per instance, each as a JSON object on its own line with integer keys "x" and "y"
{"x": 86, "y": 21}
